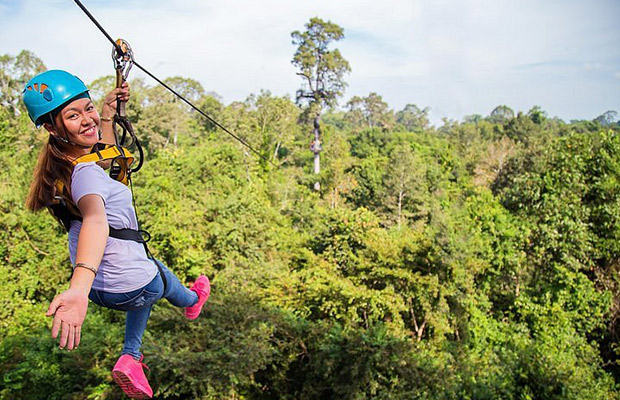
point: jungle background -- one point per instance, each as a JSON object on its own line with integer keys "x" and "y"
{"x": 478, "y": 259}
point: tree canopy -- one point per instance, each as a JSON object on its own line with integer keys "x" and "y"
{"x": 322, "y": 70}
{"x": 474, "y": 260}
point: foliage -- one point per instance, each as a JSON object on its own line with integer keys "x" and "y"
{"x": 321, "y": 69}
{"x": 413, "y": 119}
{"x": 476, "y": 260}
{"x": 15, "y": 72}
{"x": 369, "y": 112}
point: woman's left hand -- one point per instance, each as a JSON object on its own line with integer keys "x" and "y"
{"x": 69, "y": 310}
{"x": 109, "y": 102}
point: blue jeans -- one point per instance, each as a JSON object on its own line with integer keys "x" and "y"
{"x": 138, "y": 305}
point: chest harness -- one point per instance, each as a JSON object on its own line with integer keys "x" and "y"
{"x": 66, "y": 211}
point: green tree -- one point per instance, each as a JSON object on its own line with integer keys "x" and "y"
{"x": 413, "y": 118}
{"x": 274, "y": 120}
{"x": 537, "y": 115}
{"x": 406, "y": 187}
{"x": 211, "y": 104}
{"x": 102, "y": 86}
{"x": 369, "y": 112}
{"x": 567, "y": 196}
{"x": 166, "y": 118}
{"x": 15, "y": 72}
{"x": 322, "y": 71}
{"x": 501, "y": 114}
{"x": 607, "y": 119}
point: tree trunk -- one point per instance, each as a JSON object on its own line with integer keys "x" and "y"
{"x": 400, "y": 206}
{"x": 418, "y": 329}
{"x": 275, "y": 153}
{"x": 176, "y": 132}
{"x": 167, "y": 140}
{"x": 316, "y": 149}
{"x": 334, "y": 200}
{"x": 247, "y": 166}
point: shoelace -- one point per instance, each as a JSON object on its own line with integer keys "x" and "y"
{"x": 144, "y": 364}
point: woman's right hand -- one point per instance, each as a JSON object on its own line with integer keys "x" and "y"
{"x": 107, "y": 114}
{"x": 110, "y": 100}
{"x": 69, "y": 310}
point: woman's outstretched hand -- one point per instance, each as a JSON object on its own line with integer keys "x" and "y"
{"x": 69, "y": 310}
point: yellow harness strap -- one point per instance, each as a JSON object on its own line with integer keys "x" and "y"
{"x": 119, "y": 155}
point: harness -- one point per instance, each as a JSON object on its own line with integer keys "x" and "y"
{"x": 62, "y": 206}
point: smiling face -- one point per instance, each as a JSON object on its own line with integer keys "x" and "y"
{"x": 78, "y": 122}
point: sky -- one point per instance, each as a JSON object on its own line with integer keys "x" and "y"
{"x": 457, "y": 57}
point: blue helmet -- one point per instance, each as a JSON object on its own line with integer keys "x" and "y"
{"x": 49, "y": 91}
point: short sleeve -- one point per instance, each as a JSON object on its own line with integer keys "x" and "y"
{"x": 89, "y": 178}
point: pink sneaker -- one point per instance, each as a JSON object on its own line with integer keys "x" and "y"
{"x": 202, "y": 287}
{"x": 129, "y": 375}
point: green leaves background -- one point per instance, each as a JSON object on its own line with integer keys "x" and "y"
{"x": 477, "y": 260}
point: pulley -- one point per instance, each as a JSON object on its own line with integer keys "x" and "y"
{"x": 122, "y": 56}
{"x": 122, "y": 61}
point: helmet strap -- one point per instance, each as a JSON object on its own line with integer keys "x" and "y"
{"x": 62, "y": 139}
{"x": 57, "y": 131}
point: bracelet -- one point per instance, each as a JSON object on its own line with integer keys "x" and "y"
{"x": 105, "y": 119}
{"x": 88, "y": 267}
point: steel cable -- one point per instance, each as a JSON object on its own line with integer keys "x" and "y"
{"x": 204, "y": 114}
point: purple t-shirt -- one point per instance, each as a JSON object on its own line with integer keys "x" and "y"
{"x": 124, "y": 266}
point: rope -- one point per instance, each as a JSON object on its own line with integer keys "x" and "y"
{"x": 118, "y": 48}
{"x": 120, "y": 51}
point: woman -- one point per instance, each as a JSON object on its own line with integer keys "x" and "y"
{"x": 112, "y": 272}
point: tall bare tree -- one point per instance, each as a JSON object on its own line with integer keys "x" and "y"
{"x": 322, "y": 71}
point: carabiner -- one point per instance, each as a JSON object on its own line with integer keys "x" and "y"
{"x": 122, "y": 61}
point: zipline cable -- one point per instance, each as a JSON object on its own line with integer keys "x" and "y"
{"x": 120, "y": 51}
{"x": 89, "y": 15}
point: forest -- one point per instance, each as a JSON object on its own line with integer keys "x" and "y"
{"x": 477, "y": 259}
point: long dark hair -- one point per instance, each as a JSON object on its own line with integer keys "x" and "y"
{"x": 52, "y": 165}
